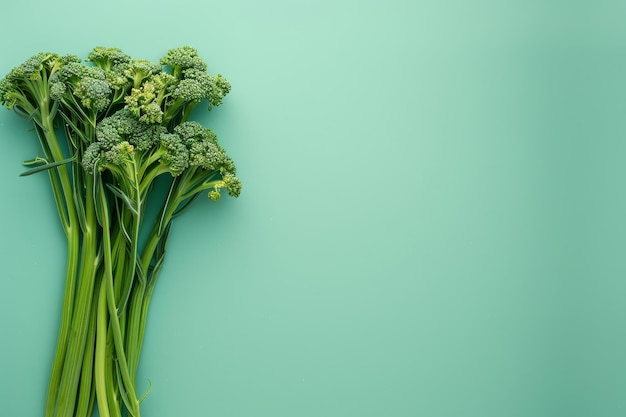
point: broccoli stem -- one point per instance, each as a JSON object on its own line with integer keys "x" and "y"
{"x": 151, "y": 260}
{"x": 86, "y": 393}
{"x": 62, "y": 190}
{"x": 74, "y": 359}
{"x": 100, "y": 362}
{"x": 127, "y": 384}
{"x": 135, "y": 277}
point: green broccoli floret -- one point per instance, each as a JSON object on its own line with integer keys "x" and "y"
{"x": 139, "y": 70}
{"x": 107, "y": 58}
{"x": 194, "y": 87}
{"x": 204, "y": 151}
{"x": 167, "y": 96}
{"x": 155, "y": 150}
{"x": 98, "y": 155}
{"x": 146, "y": 102}
{"x": 142, "y": 102}
{"x": 41, "y": 64}
{"x": 179, "y": 59}
{"x": 9, "y": 92}
{"x": 208, "y": 160}
{"x": 124, "y": 126}
{"x": 114, "y": 62}
{"x": 86, "y": 83}
{"x": 26, "y": 86}
{"x": 197, "y": 85}
{"x": 232, "y": 185}
{"x": 175, "y": 155}
{"x": 117, "y": 79}
{"x": 116, "y": 129}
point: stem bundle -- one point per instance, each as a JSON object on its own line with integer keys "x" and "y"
{"x": 108, "y": 129}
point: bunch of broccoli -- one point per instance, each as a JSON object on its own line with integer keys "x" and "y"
{"x": 109, "y": 127}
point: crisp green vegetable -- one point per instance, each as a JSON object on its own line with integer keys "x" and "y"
{"x": 109, "y": 128}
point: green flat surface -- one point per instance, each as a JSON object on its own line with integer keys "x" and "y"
{"x": 432, "y": 221}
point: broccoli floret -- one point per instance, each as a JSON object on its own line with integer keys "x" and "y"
{"x": 204, "y": 151}
{"x": 194, "y": 87}
{"x": 120, "y": 128}
{"x": 94, "y": 93}
{"x": 141, "y": 102}
{"x": 179, "y": 59}
{"x": 124, "y": 126}
{"x": 97, "y": 154}
{"x": 117, "y": 79}
{"x": 26, "y": 86}
{"x": 88, "y": 84}
{"x": 139, "y": 70}
{"x": 222, "y": 87}
{"x": 153, "y": 150}
{"x": 9, "y": 93}
{"x": 189, "y": 90}
{"x": 197, "y": 85}
{"x": 163, "y": 82}
{"x": 208, "y": 159}
{"x": 176, "y": 89}
{"x": 146, "y": 101}
{"x": 107, "y": 58}
{"x": 175, "y": 153}
{"x": 232, "y": 184}
{"x": 36, "y": 66}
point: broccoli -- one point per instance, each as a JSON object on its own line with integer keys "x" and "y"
{"x": 155, "y": 151}
{"x": 126, "y": 125}
{"x": 139, "y": 70}
{"x": 121, "y": 127}
{"x": 168, "y": 95}
{"x": 26, "y": 86}
{"x": 183, "y": 58}
{"x": 108, "y": 58}
{"x": 28, "y": 90}
{"x": 143, "y": 103}
{"x": 88, "y": 84}
{"x": 114, "y": 63}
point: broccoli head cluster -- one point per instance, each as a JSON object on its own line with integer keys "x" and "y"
{"x": 26, "y": 86}
{"x": 169, "y": 92}
{"x": 151, "y": 134}
{"x": 136, "y": 110}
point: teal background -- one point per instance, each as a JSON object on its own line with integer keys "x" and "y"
{"x": 432, "y": 222}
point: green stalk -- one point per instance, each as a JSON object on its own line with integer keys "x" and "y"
{"x": 132, "y": 335}
{"x": 113, "y": 390}
{"x": 86, "y": 391}
{"x": 128, "y": 384}
{"x": 76, "y": 343}
{"x": 101, "y": 353}
{"x": 66, "y": 319}
{"x": 73, "y": 384}
{"x": 141, "y": 299}
{"x": 61, "y": 184}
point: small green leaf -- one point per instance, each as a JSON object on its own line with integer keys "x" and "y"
{"x": 145, "y": 394}
{"x": 130, "y": 203}
{"x": 35, "y": 161}
{"x": 54, "y": 109}
{"x": 74, "y": 128}
{"x": 122, "y": 390}
{"x": 78, "y": 185}
{"x": 45, "y": 166}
